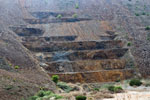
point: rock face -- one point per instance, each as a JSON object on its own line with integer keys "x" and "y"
{"x": 95, "y": 76}
{"x": 85, "y": 65}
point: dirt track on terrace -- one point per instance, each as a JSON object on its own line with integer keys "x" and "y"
{"x": 131, "y": 95}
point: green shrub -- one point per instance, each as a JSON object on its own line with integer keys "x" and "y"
{"x": 57, "y": 96}
{"x": 64, "y": 86}
{"x": 9, "y": 87}
{"x": 147, "y": 28}
{"x": 136, "y": 14}
{"x": 129, "y": 44}
{"x": 74, "y": 15}
{"x": 118, "y": 89}
{"x": 16, "y": 67}
{"x": 115, "y": 89}
{"x": 96, "y": 89}
{"x": 80, "y": 97}
{"x": 55, "y": 78}
{"x": 77, "y": 6}
{"x": 118, "y": 80}
{"x": 147, "y": 84}
{"x": 33, "y": 98}
{"x": 10, "y": 64}
{"x": 41, "y": 93}
{"x": 111, "y": 88}
{"x": 39, "y": 98}
{"x": 135, "y": 82}
{"x": 143, "y": 13}
{"x": 44, "y": 95}
{"x": 148, "y": 38}
{"x": 59, "y": 16}
{"x": 47, "y": 93}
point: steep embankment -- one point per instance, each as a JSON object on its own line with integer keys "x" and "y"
{"x": 20, "y": 74}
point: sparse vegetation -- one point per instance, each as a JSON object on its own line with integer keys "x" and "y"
{"x": 136, "y": 14}
{"x": 115, "y": 89}
{"x": 143, "y": 13}
{"x": 9, "y": 87}
{"x": 41, "y": 93}
{"x": 33, "y": 98}
{"x": 80, "y": 97}
{"x": 45, "y": 95}
{"x": 129, "y": 44}
{"x": 64, "y": 86}
{"x": 96, "y": 89}
{"x": 77, "y": 6}
{"x": 135, "y": 82}
{"x": 16, "y": 67}
{"x": 55, "y": 78}
{"x": 147, "y": 28}
{"x": 59, "y": 16}
{"x": 118, "y": 80}
{"x": 148, "y": 38}
{"x": 147, "y": 84}
{"x": 74, "y": 15}
{"x": 10, "y": 64}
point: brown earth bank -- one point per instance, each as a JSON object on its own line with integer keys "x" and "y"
{"x": 20, "y": 74}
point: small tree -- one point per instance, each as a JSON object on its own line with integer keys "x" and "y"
{"x": 55, "y": 78}
{"x": 80, "y": 97}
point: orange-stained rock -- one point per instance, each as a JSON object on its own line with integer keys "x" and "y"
{"x": 95, "y": 76}
{"x": 85, "y": 65}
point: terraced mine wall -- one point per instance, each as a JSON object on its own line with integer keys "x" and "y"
{"x": 66, "y": 46}
{"x": 80, "y": 61}
{"x": 92, "y": 54}
{"x": 46, "y": 21}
